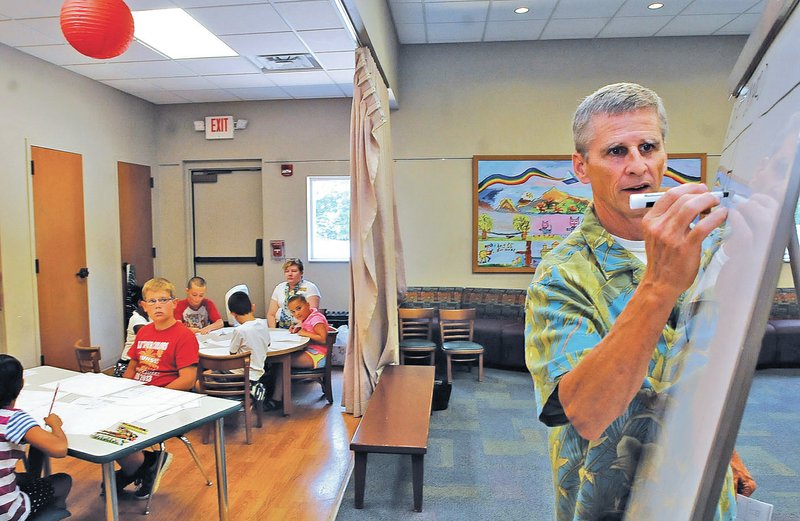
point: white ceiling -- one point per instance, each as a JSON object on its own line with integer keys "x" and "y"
{"x": 259, "y": 27}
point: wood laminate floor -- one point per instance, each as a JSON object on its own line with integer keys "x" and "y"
{"x": 296, "y": 469}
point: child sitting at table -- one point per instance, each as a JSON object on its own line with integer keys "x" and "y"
{"x": 165, "y": 354}
{"x": 197, "y": 312}
{"x": 309, "y": 323}
{"x": 138, "y": 319}
{"x": 21, "y": 494}
{"x": 251, "y": 336}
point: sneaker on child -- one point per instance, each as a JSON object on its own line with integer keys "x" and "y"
{"x": 152, "y": 473}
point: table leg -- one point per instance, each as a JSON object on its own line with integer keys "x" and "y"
{"x": 360, "y": 471}
{"x": 222, "y": 477}
{"x": 286, "y": 367}
{"x": 110, "y": 484}
{"x": 417, "y": 473}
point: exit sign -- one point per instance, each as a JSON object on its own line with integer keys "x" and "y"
{"x": 219, "y": 127}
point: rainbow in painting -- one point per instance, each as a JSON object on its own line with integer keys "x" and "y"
{"x": 522, "y": 178}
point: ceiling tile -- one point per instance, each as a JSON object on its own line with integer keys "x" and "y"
{"x": 160, "y": 97}
{"x": 229, "y": 81}
{"x": 16, "y": 33}
{"x": 520, "y": 30}
{"x": 265, "y": 43}
{"x": 205, "y": 96}
{"x": 240, "y": 19}
{"x": 456, "y": 12}
{"x": 639, "y": 8}
{"x": 695, "y": 25}
{"x": 407, "y": 13}
{"x": 587, "y": 9}
{"x": 411, "y": 33}
{"x": 283, "y": 79}
{"x": 758, "y": 8}
{"x": 718, "y": 7}
{"x": 467, "y": 32}
{"x": 634, "y": 26}
{"x": 115, "y": 71}
{"x": 227, "y": 65}
{"x": 571, "y": 29}
{"x": 147, "y": 5}
{"x": 504, "y": 10}
{"x": 30, "y": 8}
{"x": 135, "y": 84}
{"x": 211, "y": 3}
{"x": 336, "y": 60}
{"x": 63, "y": 54}
{"x": 317, "y": 14}
{"x": 183, "y": 83}
{"x": 50, "y": 27}
{"x": 347, "y": 88}
{"x": 742, "y": 24}
{"x": 343, "y": 76}
{"x": 328, "y": 40}
{"x": 314, "y": 91}
{"x": 260, "y": 93}
{"x": 139, "y": 52}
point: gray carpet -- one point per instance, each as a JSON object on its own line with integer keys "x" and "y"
{"x": 487, "y": 455}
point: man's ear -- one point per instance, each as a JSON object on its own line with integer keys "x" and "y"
{"x": 579, "y": 166}
{"x": 252, "y": 308}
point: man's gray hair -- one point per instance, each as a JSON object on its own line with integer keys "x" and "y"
{"x": 617, "y": 98}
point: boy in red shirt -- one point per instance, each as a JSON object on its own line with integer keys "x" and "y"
{"x": 197, "y": 312}
{"x": 165, "y": 353}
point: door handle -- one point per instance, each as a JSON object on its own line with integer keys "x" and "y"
{"x": 83, "y": 273}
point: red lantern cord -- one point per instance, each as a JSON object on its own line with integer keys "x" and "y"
{"x": 99, "y": 29}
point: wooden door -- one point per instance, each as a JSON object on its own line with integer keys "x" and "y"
{"x": 227, "y": 223}
{"x": 60, "y": 254}
{"x": 136, "y": 219}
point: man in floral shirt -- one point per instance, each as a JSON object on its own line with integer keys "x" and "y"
{"x": 601, "y": 338}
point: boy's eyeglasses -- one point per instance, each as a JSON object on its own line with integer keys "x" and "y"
{"x": 154, "y": 301}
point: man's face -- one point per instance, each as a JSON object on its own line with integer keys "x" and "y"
{"x": 195, "y": 296}
{"x": 159, "y": 305}
{"x": 626, "y": 155}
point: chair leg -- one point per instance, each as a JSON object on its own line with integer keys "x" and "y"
{"x": 449, "y": 367}
{"x": 327, "y": 387}
{"x": 402, "y": 357}
{"x": 258, "y": 405}
{"x": 190, "y": 447}
{"x": 159, "y": 462}
{"x": 480, "y": 367}
{"x": 433, "y": 358}
{"x": 247, "y": 420}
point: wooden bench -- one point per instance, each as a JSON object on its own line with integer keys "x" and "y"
{"x": 396, "y": 421}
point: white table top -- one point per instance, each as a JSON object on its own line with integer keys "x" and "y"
{"x": 84, "y": 447}
{"x": 217, "y": 343}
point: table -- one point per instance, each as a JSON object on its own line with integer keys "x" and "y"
{"x": 83, "y": 447}
{"x": 282, "y": 346}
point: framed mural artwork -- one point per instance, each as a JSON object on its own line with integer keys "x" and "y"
{"x": 524, "y": 206}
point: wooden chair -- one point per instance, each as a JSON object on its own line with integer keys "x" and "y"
{"x": 214, "y": 382}
{"x": 88, "y": 357}
{"x": 415, "y": 334}
{"x": 323, "y": 374}
{"x": 456, "y": 327}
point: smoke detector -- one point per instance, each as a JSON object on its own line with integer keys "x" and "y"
{"x": 286, "y": 62}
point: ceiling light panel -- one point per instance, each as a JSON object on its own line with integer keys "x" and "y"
{"x": 177, "y": 35}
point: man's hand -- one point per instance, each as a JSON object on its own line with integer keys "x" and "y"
{"x": 673, "y": 247}
{"x": 743, "y": 482}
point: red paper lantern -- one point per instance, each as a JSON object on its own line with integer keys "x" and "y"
{"x": 97, "y": 28}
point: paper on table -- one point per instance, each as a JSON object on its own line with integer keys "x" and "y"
{"x": 37, "y": 403}
{"x": 284, "y": 336}
{"x": 92, "y": 384}
{"x": 749, "y": 509}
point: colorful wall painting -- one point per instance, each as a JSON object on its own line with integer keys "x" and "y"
{"x": 524, "y": 206}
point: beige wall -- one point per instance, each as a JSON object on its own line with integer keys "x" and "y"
{"x": 518, "y": 98}
{"x": 47, "y": 106}
{"x": 311, "y": 134}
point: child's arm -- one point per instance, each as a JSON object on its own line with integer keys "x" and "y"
{"x": 51, "y": 443}
{"x": 318, "y": 336}
{"x": 131, "y": 370}
{"x": 185, "y": 380}
{"x": 211, "y": 327}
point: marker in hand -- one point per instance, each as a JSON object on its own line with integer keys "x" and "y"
{"x": 639, "y": 201}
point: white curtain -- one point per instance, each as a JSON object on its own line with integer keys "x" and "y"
{"x": 376, "y": 256}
